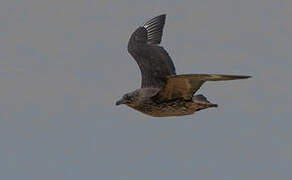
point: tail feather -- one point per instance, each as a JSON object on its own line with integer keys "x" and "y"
{"x": 201, "y": 97}
{"x": 202, "y": 101}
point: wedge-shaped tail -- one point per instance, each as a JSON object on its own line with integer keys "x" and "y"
{"x": 187, "y": 84}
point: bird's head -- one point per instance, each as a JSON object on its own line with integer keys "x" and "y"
{"x": 128, "y": 99}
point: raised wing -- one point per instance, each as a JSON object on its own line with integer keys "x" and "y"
{"x": 154, "y": 62}
{"x": 185, "y": 86}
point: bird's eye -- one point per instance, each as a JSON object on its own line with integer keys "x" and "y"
{"x": 127, "y": 97}
{"x": 130, "y": 98}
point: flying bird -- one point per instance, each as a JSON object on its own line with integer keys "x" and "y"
{"x": 162, "y": 92}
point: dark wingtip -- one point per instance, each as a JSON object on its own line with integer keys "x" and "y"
{"x": 154, "y": 28}
{"x": 245, "y": 77}
{"x": 237, "y": 77}
{"x": 162, "y": 16}
{"x": 158, "y": 19}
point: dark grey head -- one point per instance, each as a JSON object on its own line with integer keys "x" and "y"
{"x": 129, "y": 98}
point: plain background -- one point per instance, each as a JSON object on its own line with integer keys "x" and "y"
{"x": 64, "y": 64}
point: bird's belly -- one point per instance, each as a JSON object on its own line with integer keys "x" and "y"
{"x": 170, "y": 111}
{"x": 167, "y": 109}
{"x": 172, "y": 108}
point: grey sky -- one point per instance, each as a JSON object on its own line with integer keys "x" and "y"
{"x": 64, "y": 63}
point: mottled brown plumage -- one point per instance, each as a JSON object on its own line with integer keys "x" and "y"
{"x": 162, "y": 92}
